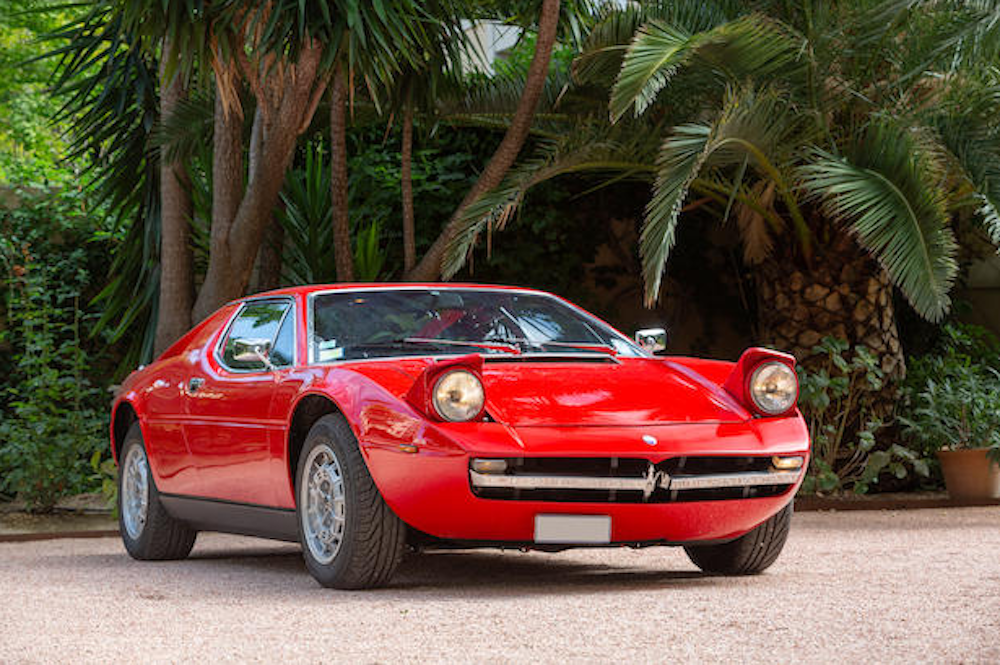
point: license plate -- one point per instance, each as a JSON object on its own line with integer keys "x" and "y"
{"x": 573, "y": 529}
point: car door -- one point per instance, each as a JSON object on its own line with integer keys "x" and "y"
{"x": 229, "y": 427}
{"x": 164, "y": 411}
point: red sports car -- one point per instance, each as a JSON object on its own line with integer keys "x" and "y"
{"x": 356, "y": 419}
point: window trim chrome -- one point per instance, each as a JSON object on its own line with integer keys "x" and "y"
{"x": 221, "y": 344}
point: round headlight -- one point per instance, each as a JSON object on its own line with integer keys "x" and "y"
{"x": 774, "y": 388}
{"x": 458, "y": 395}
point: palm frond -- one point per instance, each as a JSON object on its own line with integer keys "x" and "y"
{"x": 967, "y": 126}
{"x": 602, "y": 52}
{"x": 188, "y": 130}
{"x": 593, "y": 148}
{"x": 305, "y": 217}
{"x": 751, "y": 46}
{"x": 755, "y": 230}
{"x": 681, "y": 158}
{"x": 889, "y": 195}
{"x": 756, "y": 127}
{"x": 107, "y": 79}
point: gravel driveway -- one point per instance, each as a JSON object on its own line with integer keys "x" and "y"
{"x": 850, "y": 587}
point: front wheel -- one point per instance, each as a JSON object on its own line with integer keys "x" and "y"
{"x": 350, "y": 538}
{"x": 751, "y": 553}
{"x": 147, "y": 530}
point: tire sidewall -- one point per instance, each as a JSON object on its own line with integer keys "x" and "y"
{"x": 135, "y": 546}
{"x": 324, "y": 433}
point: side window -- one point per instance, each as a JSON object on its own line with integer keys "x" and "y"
{"x": 253, "y": 332}
{"x": 283, "y": 351}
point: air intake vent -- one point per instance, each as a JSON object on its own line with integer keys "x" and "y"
{"x": 631, "y": 480}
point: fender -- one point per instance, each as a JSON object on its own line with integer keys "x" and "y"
{"x": 738, "y": 383}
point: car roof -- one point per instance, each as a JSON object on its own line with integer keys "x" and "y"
{"x": 384, "y": 286}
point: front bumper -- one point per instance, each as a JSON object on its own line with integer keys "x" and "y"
{"x": 434, "y": 490}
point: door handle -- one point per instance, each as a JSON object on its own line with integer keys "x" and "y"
{"x": 195, "y": 383}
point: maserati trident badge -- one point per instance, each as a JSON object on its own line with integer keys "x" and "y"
{"x": 649, "y": 440}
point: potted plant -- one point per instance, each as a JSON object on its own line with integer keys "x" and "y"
{"x": 957, "y": 414}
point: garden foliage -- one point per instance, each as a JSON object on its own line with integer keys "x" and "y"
{"x": 952, "y": 395}
{"x": 844, "y": 405}
{"x": 52, "y": 414}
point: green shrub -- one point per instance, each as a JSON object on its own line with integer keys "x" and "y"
{"x": 843, "y": 403}
{"x": 952, "y": 396}
{"x": 52, "y": 416}
{"x": 53, "y": 428}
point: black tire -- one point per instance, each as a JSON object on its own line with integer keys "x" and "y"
{"x": 372, "y": 540}
{"x": 749, "y": 554}
{"x": 161, "y": 537}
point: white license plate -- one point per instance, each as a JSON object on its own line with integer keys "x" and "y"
{"x": 573, "y": 529}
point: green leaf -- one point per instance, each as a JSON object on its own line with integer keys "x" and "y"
{"x": 756, "y": 126}
{"x": 752, "y": 45}
{"x": 888, "y": 193}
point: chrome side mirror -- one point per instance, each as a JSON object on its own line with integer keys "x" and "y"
{"x": 253, "y": 349}
{"x": 652, "y": 340}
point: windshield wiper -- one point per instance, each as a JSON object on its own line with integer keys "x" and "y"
{"x": 524, "y": 344}
{"x": 582, "y": 346}
{"x": 489, "y": 346}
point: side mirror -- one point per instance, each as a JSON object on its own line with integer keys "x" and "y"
{"x": 252, "y": 350}
{"x": 652, "y": 340}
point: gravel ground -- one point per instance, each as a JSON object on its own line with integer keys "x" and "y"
{"x": 900, "y": 587}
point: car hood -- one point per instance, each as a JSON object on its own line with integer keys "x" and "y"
{"x": 527, "y": 392}
{"x": 634, "y": 391}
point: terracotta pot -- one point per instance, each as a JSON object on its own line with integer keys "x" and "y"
{"x": 969, "y": 474}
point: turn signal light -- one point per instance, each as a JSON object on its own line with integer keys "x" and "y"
{"x": 786, "y": 463}
{"x": 494, "y": 466}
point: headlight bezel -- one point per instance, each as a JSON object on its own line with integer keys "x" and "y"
{"x": 751, "y": 391}
{"x": 454, "y": 373}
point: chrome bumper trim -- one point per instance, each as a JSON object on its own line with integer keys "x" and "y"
{"x": 723, "y": 480}
{"x": 647, "y": 484}
{"x": 533, "y": 482}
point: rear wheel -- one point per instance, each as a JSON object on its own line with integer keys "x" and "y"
{"x": 350, "y": 538}
{"x": 749, "y": 554}
{"x": 147, "y": 530}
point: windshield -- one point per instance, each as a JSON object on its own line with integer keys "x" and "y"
{"x": 352, "y": 325}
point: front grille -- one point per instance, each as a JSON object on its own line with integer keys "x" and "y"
{"x": 633, "y": 480}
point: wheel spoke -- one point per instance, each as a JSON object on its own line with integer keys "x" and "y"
{"x": 323, "y": 506}
{"x": 135, "y": 491}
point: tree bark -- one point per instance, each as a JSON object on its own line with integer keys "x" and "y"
{"x": 286, "y": 100}
{"x": 220, "y": 282}
{"x": 266, "y": 274}
{"x": 844, "y": 294}
{"x": 342, "y": 255}
{"x": 406, "y": 185}
{"x": 176, "y": 261}
{"x": 503, "y": 158}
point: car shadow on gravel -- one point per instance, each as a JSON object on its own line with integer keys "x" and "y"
{"x": 513, "y": 574}
{"x": 280, "y": 568}
{"x": 491, "y": 573}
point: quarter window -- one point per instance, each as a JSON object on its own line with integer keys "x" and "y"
{"x": 255, "y": 332}
{"x": 283, "y": 352}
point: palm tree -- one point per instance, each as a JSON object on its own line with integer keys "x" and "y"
{"x": 375, "y": 47}
{"x": 843, "y": 138}
{"x": 506, "y": 153}
{"x": 268, "y": 65}
{"x": 107, "y": 82}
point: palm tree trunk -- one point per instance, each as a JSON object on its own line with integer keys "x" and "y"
{"x": 342, "y": 255}
{"x": 221, "y": 282}
{"x": 176, "y": 262}
{"x": 429, "y": 267}
{"x": 240, "y": 215}
{"x": 406, "y": 184}
{"x": 843, "y": 294}
{"x": 267, "y": 268}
